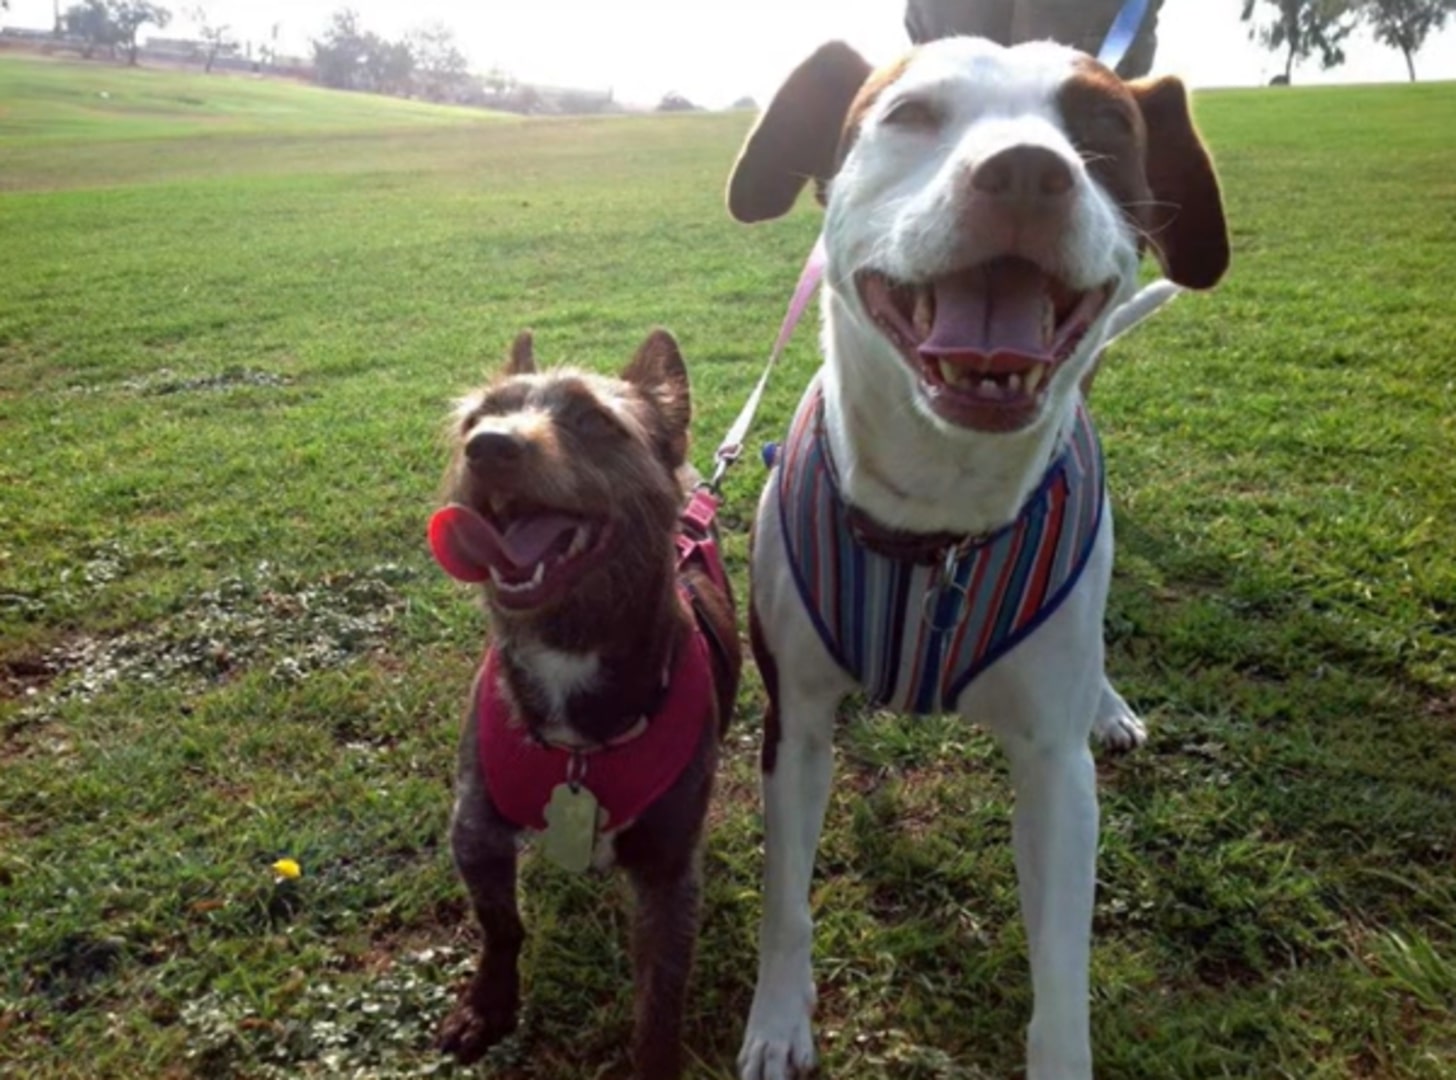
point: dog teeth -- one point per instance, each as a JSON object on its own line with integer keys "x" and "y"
{"x": 578, "y": 542}
{"x": 990, "y": 388}
{"x": 1034, "y": 377}
{"x": 924, "y": 316}
{"x": 519, "y": 586}
{"x": 1013, "y": 384}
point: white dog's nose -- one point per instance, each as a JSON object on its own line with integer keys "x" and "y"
{"x": 1024, "y": 177}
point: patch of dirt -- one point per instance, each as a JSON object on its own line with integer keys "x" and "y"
{"x": 292, "y": 625}
{"x": 165, "y": 381}
{"x": 25, "y": 675}
{"x": 358, "y": 1025}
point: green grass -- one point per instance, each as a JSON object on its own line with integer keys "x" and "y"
{"x": 47, "y": 99}
{"x": 226, "y": 348}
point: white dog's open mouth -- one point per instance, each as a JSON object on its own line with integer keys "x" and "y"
{"x": 987, "y": 340}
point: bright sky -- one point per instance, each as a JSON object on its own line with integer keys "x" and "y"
{"x": 714, "y": 53}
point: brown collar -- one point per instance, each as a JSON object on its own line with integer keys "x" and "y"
{"x": 902, "y": 546}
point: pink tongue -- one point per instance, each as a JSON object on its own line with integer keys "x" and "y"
{"x": 526, "y": 540}
{"x": 989, "y": 309}
{"x": 468, "y": 546}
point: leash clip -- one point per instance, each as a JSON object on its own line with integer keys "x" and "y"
{"x": 940, "y": 587}
{"x": 725, "y": 458}
{"x": 576, "y": 770}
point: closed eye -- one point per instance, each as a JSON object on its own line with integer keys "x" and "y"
{"x": 1111, "y": 124}
{"x": 913, "y": 114}
{"x": 595, "y": 422}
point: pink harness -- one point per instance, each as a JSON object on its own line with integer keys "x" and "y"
{"x": 628, "y": 776}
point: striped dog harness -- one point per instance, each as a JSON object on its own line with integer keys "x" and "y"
{"x": 915, "y": 633}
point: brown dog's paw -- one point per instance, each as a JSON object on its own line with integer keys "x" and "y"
{"x": 468, "y": 1032}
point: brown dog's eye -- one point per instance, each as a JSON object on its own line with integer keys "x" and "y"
{"x": 595, "y": 423}
{"x": 1110, "y": 124}
{"x": 914, "y": 115}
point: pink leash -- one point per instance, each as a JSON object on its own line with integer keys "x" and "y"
{"x": 731, "y": 448}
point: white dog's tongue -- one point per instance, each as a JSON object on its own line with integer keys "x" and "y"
{"x": 998, "y": 307}
{"x": 526, "y": 540}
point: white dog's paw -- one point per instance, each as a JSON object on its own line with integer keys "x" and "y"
{"x": 777, "y": 1054}
{"x": 1116, "y": 725}
{"x": 779, "y": 1042}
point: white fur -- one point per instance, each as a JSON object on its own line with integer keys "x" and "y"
{"x": 899, "y": 205}
{"x": 560, "y": 675}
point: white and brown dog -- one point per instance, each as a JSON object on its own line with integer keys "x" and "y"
{"x": 935, "y": 532}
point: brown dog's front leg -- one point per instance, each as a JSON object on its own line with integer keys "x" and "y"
{"x": 664, "y": 936}
{"x": 486, "y": 1011}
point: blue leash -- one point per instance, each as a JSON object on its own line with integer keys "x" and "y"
{"x": 1123, "y": 33}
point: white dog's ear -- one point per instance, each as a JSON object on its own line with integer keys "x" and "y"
{"x": 522, "y": 360}
{"x": 1186, "y": 221}
{"x": 797, "y": 137}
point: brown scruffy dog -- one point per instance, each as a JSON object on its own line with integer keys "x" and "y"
{"x": 609, "y": 681}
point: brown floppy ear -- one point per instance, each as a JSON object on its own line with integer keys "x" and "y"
{"x": 797, "y": 137}
{"x": 659, "y": 372}
{"x": 1186, "y": 221}
{"x": 522, "y": 360}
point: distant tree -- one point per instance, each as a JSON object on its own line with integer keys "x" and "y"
{"x": 498, "y": 80}
{"x": 268, "y": 54}
{"x": 215, "y": 38}
{"x": 91, "y": 23}
{"x": 440, "y": 68}
{"x": 129, "y": 16}
{"x": 744, "y": 102}
{"x": 339, "y": 55}
{"x": 1404, "y": 24}
{"x": 675, "y": 102}
{"x": 389, "y": 66}
{"x": 1302, "y": 28}
{"x": 350, "y": 58}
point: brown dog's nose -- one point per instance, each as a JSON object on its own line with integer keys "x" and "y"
{"x": 1024, "y": 175}
{"x": 493, "y": 449}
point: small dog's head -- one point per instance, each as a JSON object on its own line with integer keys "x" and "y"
{"x": 985, "y": 210}
{"x": 564, "y": 484}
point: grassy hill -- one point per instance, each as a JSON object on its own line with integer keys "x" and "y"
{"x": 228, "y": 338}
{"x": 61, "y": 99}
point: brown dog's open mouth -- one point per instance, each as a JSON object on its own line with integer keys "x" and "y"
{"x": 529, "y": 554}
{"x": 987, "y": 340}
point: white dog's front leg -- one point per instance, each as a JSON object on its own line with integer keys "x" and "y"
{"x": 779, "y": 1042}
{"x": 1054, "y": 833}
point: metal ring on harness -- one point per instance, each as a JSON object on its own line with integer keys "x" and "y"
{"x": 942, "y": 584}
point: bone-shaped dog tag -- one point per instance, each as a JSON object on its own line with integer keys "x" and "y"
{"x": 571, "y": 828}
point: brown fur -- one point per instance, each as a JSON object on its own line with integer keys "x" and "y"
{"x": 1138, "y": 140}
{"x": 768, "y": 670}
{"x": 1187, "y": 220}
{"x": 880, "y": 80}
{"x": 1105, "y": 125}
{"x": 581, "y": 455}
{"x": 797, "y": 137}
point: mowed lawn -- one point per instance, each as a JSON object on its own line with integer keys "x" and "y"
{"x": 229, "y": 334}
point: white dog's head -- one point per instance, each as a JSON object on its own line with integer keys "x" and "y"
{"x": 986, "y": 209}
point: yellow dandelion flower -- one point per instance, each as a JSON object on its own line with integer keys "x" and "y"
{"x": 287, "y": 869}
